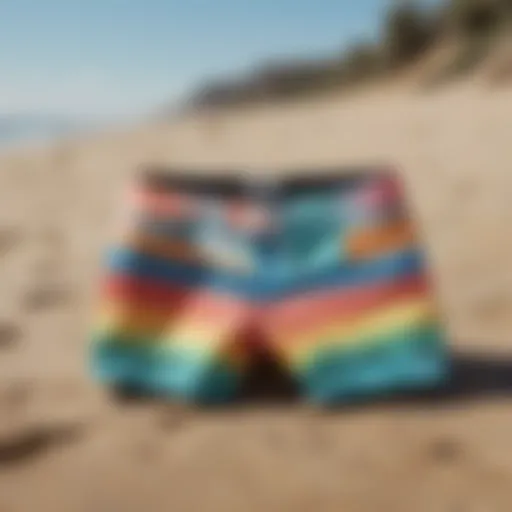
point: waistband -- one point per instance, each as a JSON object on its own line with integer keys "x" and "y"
{"x": 281, "y": 184}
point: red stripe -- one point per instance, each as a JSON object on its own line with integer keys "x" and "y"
{"x": 289, "y": 316}
{"x": 148, "y": 294}
{"x": 322, "y": 307}
{"x": 162, "y": 203}
{"x": 247, "y": 216}
{"x": 378, "y": 195}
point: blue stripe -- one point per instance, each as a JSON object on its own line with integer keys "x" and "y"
{"x": 168, "y": 373}
{"x": 409, "y": 361}
{"x": 269, "y": 283}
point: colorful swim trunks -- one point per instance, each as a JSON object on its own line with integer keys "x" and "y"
{"x": 325, "y": 268}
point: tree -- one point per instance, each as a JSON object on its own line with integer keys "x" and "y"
{"x": 361, "y": 61}
{"x": 478, "y": 17}
{"x": 409, "y": 32}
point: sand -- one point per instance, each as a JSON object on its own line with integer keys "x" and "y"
{"x": 65, "y": 446}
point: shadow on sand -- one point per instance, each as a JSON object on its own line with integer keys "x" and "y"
{"x": 474, "y": 377}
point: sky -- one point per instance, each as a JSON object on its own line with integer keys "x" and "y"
{"x": 94, "y": 59}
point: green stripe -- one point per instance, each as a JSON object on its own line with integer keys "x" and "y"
{"x": 153, "y": 345}
{"x": 410, "y": 358}
{"x": 361, "y": 344}
{"x": 169, "y": 372}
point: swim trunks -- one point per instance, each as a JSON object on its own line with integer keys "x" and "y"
{"x": 327, "y": 268}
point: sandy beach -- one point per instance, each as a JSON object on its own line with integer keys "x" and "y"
{"x": 64, "y": 446}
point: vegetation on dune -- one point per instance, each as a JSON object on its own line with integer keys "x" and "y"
{"x": 409, "y": 32}
{"x": 471, "y": 18}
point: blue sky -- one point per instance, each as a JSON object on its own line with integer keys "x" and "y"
{"x": 115, "y": 58}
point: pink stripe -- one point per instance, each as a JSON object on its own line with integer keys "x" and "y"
{"x": 162, "y": 203}
{"x": 382, "y": 193}
{"x": 310, "y": 310}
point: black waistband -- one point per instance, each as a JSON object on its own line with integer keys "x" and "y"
{"x": 284, "y": 182}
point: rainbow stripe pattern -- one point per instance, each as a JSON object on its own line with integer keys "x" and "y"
{"x": 327, "y": 269}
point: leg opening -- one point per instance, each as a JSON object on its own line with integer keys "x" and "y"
{"x": 266, "y": 379}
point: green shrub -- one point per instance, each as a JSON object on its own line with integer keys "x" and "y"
{"x": 409, "y": 32}
{"x": 361, "y": 62}
{"x": 472, "y": 18}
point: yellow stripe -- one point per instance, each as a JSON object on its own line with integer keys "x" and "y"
{"x": 223, "y": 346}
{"x": 202, "y": 336}
{"x": 173, "y": 336}
{"x": 203, "y": 344}
{"x": 351, "y": 333}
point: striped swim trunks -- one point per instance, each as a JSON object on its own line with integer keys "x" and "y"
{"x": 326, "y": 269}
